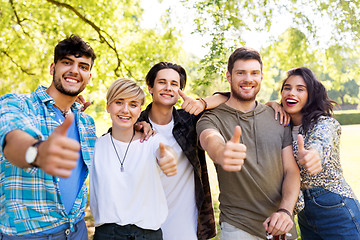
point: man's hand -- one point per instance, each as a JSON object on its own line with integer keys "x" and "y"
{"x": 278, "y": 223}
{"x": 146, "y": 130}
{"x": 191, "y": 105}
{"x": 309, "y": 159}
{"x": 234, "y": 153}
{"x": 167, "y": 160}
{"x": 80, "y": 99}
{"x": 58, "y": 155}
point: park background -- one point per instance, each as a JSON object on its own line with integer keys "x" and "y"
{"x": 130, "y": 36}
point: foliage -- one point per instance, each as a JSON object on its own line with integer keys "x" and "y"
{"x": 31, "y": 29}
{"x": 306, "y": 42}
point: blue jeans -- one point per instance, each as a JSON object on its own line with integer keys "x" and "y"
{"x": 329, "y": 216}
{"x": 112, "y": 231}
{"x": 80, "y": 233}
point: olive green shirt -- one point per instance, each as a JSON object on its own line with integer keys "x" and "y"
{"x": 251, "y": 195}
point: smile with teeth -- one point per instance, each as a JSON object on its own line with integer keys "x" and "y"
{"x": 166, "y": 95}
{"x": 124, "y": 118}
{"x": 291, "y": 101}
{"x": 246, "y": 87}
{"x": 70, "y": 80}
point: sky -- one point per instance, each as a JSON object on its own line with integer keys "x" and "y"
{"x": 192, "y": 42}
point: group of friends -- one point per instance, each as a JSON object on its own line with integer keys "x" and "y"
{"x": 148, "y": 176}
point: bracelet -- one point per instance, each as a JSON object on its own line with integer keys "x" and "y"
{"x": 203, "y": 102}
{"x": 285, "y": 211}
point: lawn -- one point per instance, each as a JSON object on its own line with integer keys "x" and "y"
{"x": 350, "y": 159}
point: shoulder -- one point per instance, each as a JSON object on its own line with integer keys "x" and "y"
{"x": 103, "y": 140}
{"x": 327, "y": 123}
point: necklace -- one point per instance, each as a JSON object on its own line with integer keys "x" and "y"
{"x": 63, "y": 112}
{"x": 122, "y": 162}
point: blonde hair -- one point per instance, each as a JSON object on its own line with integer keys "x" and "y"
{"x": 124, "y": 88}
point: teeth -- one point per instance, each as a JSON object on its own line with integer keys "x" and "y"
{"x": 125, "y": 118}
{"x": 247, "y": 88}
{"x": 291, "y": 101}
{"x": 71, "y": 80}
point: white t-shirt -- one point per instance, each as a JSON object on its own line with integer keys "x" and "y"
{"x": 134, "y": 196}
{"x": 181, "y": 222}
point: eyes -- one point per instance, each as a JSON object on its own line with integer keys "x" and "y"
{"x": 172, "y": 83}
{"x": 299, "y": 89}
{"x": 252, "y": 73}
{"x": 82, "y": 66}
{"x": 130, "y": 104}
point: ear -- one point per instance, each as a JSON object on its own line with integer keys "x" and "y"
{"x": 89, "y": 78}
{"x": 52, "y": 69}
{"x": 150, "y": 90}
{"x": 107, "y": 107}
{"x": 228, "y": 76}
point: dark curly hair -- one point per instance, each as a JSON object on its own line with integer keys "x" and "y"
{"x": 73, "y": 45}
{"x": 318, "y": 102}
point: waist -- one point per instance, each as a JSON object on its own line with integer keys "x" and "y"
{"x": 314, "y": 191}
{"x": 58, "y": 235}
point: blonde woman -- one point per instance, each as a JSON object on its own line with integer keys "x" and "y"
{"x": 126, "y": 194}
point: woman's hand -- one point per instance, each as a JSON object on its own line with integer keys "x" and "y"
{"x": 279, "y": 110}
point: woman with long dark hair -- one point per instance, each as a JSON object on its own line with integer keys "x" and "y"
{"x": 331, "y": 210}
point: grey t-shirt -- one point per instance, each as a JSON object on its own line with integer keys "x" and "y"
{"x": 251, "y": 195}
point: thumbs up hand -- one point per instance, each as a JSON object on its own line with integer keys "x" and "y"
{"x": 234, "y": 153}
{"x": 191, "y": 105}
{"x": 58, "y": 155}
{"x": 309, "y": 159}
{"x": 167, "y": 159}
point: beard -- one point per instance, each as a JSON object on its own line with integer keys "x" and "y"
{"x": 242, "y": 97}
{"x": 60, "y": 87}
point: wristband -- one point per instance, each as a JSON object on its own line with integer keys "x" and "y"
{"x": 285, "y": 211}
{"x": 203, "y": 102}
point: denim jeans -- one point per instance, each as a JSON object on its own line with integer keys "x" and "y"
{"x": 329, "y": 216}
{"x": 80, "y": 233}
{"x": 112, "y": 231}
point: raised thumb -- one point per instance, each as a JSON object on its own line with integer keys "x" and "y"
{"x": 62, "y": 129}
{"x": 300, "y": 141}
{"x": 182, "y": 95}
{"x": 237, "y": 134}
{"x": 162, "y": 149}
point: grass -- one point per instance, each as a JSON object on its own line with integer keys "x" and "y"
{"x": 350, "y": 153}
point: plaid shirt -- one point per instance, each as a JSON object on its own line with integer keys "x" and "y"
{"x": 30, "y": 199}
{"x": 184, "y": 132}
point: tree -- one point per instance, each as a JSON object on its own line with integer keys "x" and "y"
{"x": 31, "y": 29}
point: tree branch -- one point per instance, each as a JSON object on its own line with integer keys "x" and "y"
{"x": 102, "y": 35}
{"x": 17, "y": 18}
{"x": 14, "y": 62}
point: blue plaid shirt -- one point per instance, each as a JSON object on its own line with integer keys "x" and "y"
{"x": 30, "y": 199}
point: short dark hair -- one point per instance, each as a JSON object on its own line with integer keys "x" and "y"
{"x": 151, "y": 75}
{"x": 318, "y": 102}
{"x": 243, "y": 53}
{"x": 73, "y": 45}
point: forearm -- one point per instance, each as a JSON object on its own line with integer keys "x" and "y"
{"x": 16, "y": 144}
{"x": 291, "y": 182}
{"x": 290, "y": 191}
{"x": 215, "y": 100}
{"x": 213, "y": 143}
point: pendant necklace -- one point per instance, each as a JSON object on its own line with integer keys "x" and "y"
{"x": 63, "y": 112}
{"x": 121, "y": 162}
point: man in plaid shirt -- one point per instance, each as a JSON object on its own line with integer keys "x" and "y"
{"x": 46, "y": 148}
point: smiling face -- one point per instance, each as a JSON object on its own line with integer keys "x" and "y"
{"x": 124, "y": 112}
{"x": 245, "y": 79}
{"x": 294, "y": 96}
{"x": 71, "y": 74}
{"x": 166, "y": 87}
